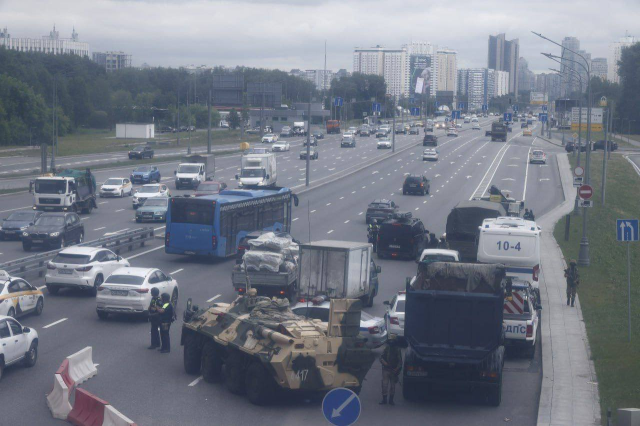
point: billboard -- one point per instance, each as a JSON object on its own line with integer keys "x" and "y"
{"x": 538, "y": 98}
{"x": 596, "y": 119}
{"x": 420, "y": 67}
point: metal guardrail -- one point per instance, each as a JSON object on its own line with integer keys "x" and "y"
{"x": 38, "y": 262}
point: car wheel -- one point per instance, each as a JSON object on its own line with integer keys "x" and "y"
{"x": 26, "y": 246}
{"x": 174, "y": 298}
{"x": 103, "y": 315}
{"x": 31, "y": 356}
{"x": 52, "y": 289}
{"x": 259, "y": 384}
{"x": 99, "y": 280}
{"x": 121, "y": 193}
{"x": 11, "y": 313}
{"x": 81, "y": 238}
{"x": 39, "y": 306}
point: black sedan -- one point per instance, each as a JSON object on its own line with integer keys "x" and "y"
{"x": 13, "y": 226}
{"x": 55, "y": 230}
{"x": 611, "y": 145}
{"x": 313, "y": 154}
{"x": 141, "y": 152}
{"x": 318, "y": 135}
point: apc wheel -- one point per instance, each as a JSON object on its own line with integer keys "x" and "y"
{"x": 234, "y": 374}
{"x": 192, "y": 355}
{"x": 174, "y": 298}
{"x": 211, "y": 363}
{"x": 259, "y": 385}
{"x": 39, "y": 306}
{"x": 26, "y": 246}
{"x": 94, "y": 290}
{"x": 32, "y": 355}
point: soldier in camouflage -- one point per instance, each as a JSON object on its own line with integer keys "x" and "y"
{"x": 391, "y": 361}
{"x": 573, "y": 280}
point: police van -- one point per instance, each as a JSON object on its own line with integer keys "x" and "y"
{"x": 515, "y": 243}
{"x": 520, "y": 318}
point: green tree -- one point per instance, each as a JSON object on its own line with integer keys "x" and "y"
{"x": 233, "y": 119}
{"x": 629, "y": 71}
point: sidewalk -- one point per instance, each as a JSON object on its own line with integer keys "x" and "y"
{"x": 629, "y": 141}
{"x": 569, "y": 394}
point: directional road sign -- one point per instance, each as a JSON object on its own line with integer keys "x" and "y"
{"x": 575, "y": 136}
{"x": 544, "y": 108}
{"x": 485, "y": 107}
{"x": 376, "y": 107}
{"x": 515, "y": 108}
{"x": 543, "y": 117}
{"x": 337, "y": 102}
{"x": 507, "y": 116}
{"x": 436, "y": 104}
{"x": 460, "y": 105}
{"x": 341, "y": 407}
{"x": 627, "y": 229}
{"x": 578, "y": 181}
{"x": 415, "y": 111}
{"x": 585, "y": 192}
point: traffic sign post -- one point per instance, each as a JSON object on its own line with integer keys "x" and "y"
{"x": 627, "y": 231}
{"x": 337, "y": 102}
{"x": 460, "y": 105}
{"x": 515, "y": 108}
{"x": 415, "y": 111}
{"x": 507, "y": 117}
{"x": 544, "y": 108}
{"x": 341, "y": 407}
{"x": 375, "y": 107}
{"x": 585, "y": 192}
{"x": 485, "y": 107}
{"x": 542, "y": 117}
{"x": 578, "y": 171}
{"x": 585, "y": 203}
{"x": 578, "y": 181}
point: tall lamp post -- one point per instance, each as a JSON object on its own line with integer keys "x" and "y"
{"x": 583, "y": 255}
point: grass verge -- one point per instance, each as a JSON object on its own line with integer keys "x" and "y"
{"x": 603, "y": 288}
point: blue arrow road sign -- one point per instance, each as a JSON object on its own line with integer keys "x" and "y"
{"x": 627, "y": 229}
{"x": 507, "y": 116}
{"x": 485, "y": 107}
{"x": 337, "y": 102}
{"x": 415, "y": 111}
{"x": 341, "y": 407}
{"x": 375, "y": 107}
{"x": 544, "y": 108}
{"x": 543, "y": 117}
{"x": 515, "y": 108}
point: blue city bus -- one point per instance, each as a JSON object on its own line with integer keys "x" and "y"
{"x": 213, "y": 225}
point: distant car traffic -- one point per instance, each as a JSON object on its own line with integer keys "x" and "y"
{"x": 209, "y": 188}
{"x": 116, "y": 187}
{"x": 18, "y": 297}
{"x": 313, "y": 154}
{"x": 537, "y": 156}
{"x": 475, "y": 126}
{"x": 365, "y": 131}
{"x": 18, "y": 344}
{"x": 82, "y": 268}
{"x": 145, "y": 174}
{"x": 380, "y": 209}
{"x": 384, "y": 144}
{"x": 526, "y": 132}
{"x": 452, "y": 131}
{"x": 416, "y": 184}
{"x": 348, "y": 141}
{"x": 394, "y": 317}
{"x": 153, "y": 210}
{"x": 141, "y": 152}
{"x": 430, "y": 140}
{"x": 415, "y": 130}
{"x": 54, "y": 230}
{"x": 401, "y": 236}
{"x": 312, "y": 141}
{"x": 13, "y": 226}
{"x": 430, "y": 154}
{"x": 286, "y": 132}
{"x": 611, "y": 146}
{"x": 280, "y": 147}
{"x": 149, "y": 191}
{"x": 318, "y": 135}
{"x": 270, "y": 138}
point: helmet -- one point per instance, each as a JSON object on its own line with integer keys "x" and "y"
{"x": 155, "y": 292}
{"x": 572, "y": 262}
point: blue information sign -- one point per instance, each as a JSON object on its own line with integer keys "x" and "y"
{"x": 507, "y": 116}
{"x": 515, "y": 108}
{"x": 542, "y": 117}
{"x": 460, "y": 105}
{"x": 337, "y": 102}
{"x": 415, "y": 111}
{"x": 341, "y": 407}
{"x": 544, "y": 108}
{"x": 627, "y": 229}
{"x": 485, "y": 107}
{"x": 375, "y": 107}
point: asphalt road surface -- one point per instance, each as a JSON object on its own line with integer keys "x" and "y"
{"x": 153, "y": 389}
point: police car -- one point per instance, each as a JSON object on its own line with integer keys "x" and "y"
{"x": 18, "y": 344}
{"x": 18, "y": 297}
{"x": 394, "y": 317}
{"x": 521, "y": 319}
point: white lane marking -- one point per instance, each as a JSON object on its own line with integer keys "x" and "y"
{"x": 176, "y": 271}
{"x": 102, "y": 202}
{"x": 102, "y": 227}
{"x": 84, "y": 218}
{"x": 145, "y": 252}
{"x": 330, "y": 231}
{"x": 353, "y": 192}
{"x": 417, "y": 208}
{"x": 159, "y": 228}
{"x": 509, "y": 179}
{"x": 294, "y": 219}
{"x": 55, "y": 322}
{"x": 541, "y": 180}
{"x": 116, "y": 232}
{"x": 360, "y": 214}
{"x": 19, "y": 208}
{"x": 342, "y": 198}
{"x": 328, "y": 204}
{"x": 213, "y": 298}
{"x": 196, "y": 381}
{"x": 313, "y": 211}
{"x": 346, "y": 221}
{"x": 119, "y": 210}
{"x": 526, "y": 175}
{"x": 489, "y": 171}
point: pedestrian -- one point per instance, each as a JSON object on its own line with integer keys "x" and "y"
{"x": 166, "y": 318}
{"x": 433, "y": 240}
{"x": 154, "y": 318}
{"x": 443, "y": 244}
{"x": 391, "y": 361}
{"x": 531, "y": 215}
{"x": 573, "y": 280}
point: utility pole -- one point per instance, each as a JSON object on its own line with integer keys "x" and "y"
{"x": 607, "y": 115}
{"x": 393, "y": 126}
{"x": 308, "y": 142}
{"x": 53, "y": 128}
{"x": 262, "y": 112}
{"x": 178, "y": 129}
{"x": 189, "y": 124}
{"x": 209, "y": 127}
{"x": 324, "y": 79}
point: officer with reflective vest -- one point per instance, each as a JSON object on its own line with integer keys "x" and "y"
{"x": 166, "y": 318}
{"x": 154, "y": 318}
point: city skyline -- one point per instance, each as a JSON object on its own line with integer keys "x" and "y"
{"x": 164, "y": 39}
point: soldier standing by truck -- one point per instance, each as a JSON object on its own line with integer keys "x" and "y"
{"x": 573, "y": 280}
{"x": 391, "y": 361}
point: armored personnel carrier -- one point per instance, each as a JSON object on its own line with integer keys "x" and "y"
{"x": 263, "y": 347}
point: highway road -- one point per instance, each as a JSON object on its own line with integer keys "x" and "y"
{"x": 153, "y": 389}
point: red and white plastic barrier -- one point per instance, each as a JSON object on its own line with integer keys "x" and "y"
{"x": 81, "y": 366}
{"x": 88, "y": 409}
{"x": 58, "y": 399}
{"x": 113, "y": 417}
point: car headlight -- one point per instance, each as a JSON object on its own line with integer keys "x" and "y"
{"x": 159, "y": 213}
{"x": 22, "y": 229}
{"x": 25, "y": 234}
{"x": 54, "y": 234}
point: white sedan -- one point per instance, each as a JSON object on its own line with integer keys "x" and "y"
{"x": 538, "y": 156}
{"x": 116, "y": 187}
{"x": 18, "y": 344}
{"x": 270, "y": 138}
{"x": 476, "y": 126}
{"x": 394, "y": 318}
{"x": 430, "y": 154}
{"x": 452, "y": 131}
{"x": 82, "y": 267}
{"x": 128, "y": 291}
{"x": 384, "y": 144}
{"x": 149, "y": 191}
{"x": 280, "y": 146}
{"x": 18, "y": 297}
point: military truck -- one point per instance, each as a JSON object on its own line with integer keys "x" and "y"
{"x": 265, "y": 348}
{"x": 453, "y": 329}
{"x": 69, "y": 190}
{"x": 498, "y": 131}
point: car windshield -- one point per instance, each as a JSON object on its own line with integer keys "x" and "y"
{"x": 46, "y": 186}
{"x": 187, "y": 168}
{"x": 113, "y": 182}
{"x": 379, "y": 206}
{"x": 252, "y": 173}
{"x": 138, "y": 149}
{"x": 150, "y": 188}
{"x": 438, "y": 258}
{"x": 50, "y": 221}
{"x": 539, "y": 152}
{"x": 399, "y": 306}
{"x": 143, "y": 169}
{"x": 22, "y": 216}
{"x": 125, "y": 279}
{"x": 73, "y": 259}
{"x": 156, "y": 202}
{"x": 215, "y": 187}
{"x": 268, "y": 135}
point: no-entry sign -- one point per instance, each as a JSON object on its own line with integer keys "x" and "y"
{"x": 585, "y": 192}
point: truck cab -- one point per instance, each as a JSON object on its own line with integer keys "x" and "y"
{"x": 71, "y": 190}
{"x": 193, "y": 170}
{"x": 257, "y": 170}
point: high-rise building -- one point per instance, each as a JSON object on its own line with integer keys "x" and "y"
{"x": 526, "y": 78}
{"x": 615, "y": 53}
{"x": 51, "y": 44}
{"x": 551, "y": 84}
{"x": 480, "y": 85}
{"x": 501, "y": 83}
{"x": 320, "y": 78}
{"x": 503, "y": 55}
{"x": 112, "y": 61}
{"x": 388, "y": 63}
{"x": 599, "y": 68}
{"x": 446, "y": 65}
{"x": 570, "y": 64}
{"x": 420, "y": 65}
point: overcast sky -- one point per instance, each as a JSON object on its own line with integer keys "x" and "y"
{"x": 288, "y": 34}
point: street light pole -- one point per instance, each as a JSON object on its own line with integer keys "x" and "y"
{"x": 308, "y": 142}
{"x": 189, "y": 125}
{"x": 393, "y": 126}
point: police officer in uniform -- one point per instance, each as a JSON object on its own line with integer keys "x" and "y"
{"x": 166, "y": 318}
{"x": 391, "y": 361}
{"x": 374, "y": 228}
{"x": 573, "y": 280}
{"x": 154, "y": 318}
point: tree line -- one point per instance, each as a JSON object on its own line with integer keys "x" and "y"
{"x": 89, "y": 97}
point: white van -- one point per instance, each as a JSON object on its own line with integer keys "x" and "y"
{"x": 515, "y": 243}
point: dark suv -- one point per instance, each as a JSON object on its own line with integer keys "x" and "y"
{"x": 55, "y": 230}
{"x": 611, "y": 146}
{"x": 430, "y": 140}
{"x": 401, "y": 236}
{"x": 416, "y": 184}
{"x": 141, "y": 152}
{"x": 380, "y": 210}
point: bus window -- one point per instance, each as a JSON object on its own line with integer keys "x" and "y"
{"x": 201, "y": 213}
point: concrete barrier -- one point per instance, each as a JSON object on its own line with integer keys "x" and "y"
{"x": 58, "y": 399}
{"x": 88, "y": 409}
{"x": 81, "y": 365}
{"x": 113, "y": 417}
{"x": 63, "y": 371}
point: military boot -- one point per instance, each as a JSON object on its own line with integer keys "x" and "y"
{"x": 384, "y": 400}
{"x": 568, "y": 300}
{"x": 391, "y": 400}
{"x": 572, "y": 301}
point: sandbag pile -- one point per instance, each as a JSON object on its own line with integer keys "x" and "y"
{"x": 271, "y": 253}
